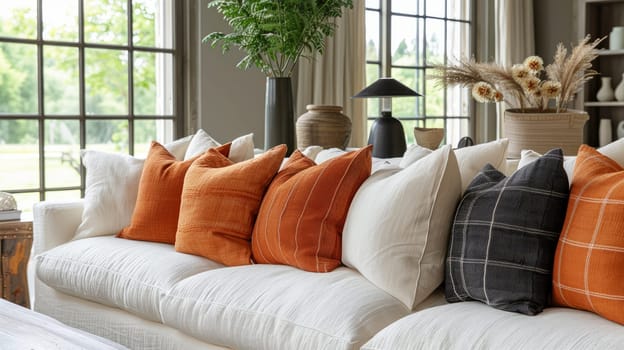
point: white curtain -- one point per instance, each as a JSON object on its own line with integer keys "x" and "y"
{"x": 514, "y": 36}
{"x": 338, "y": 74}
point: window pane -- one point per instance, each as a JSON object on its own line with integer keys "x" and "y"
{"x": 107, "y": 135}
{"x": 435, "y": 8}
{"x": 434, "y": 97}
{"x": 60, "y": 74}
{"x": 458, "y": 40}
{"x": 410, "y": 107}
{"x": 372, "y": 104}
{"x": 434, "y": 123}
{"x": 408, "y": 128}
{"x": 18, "y": 19}
{"x": 25, "y": 202}
{"x": 373, "y": 4}
{"x": 455, "y": 130}
{"x": 19, "y": 154}
{"x": 435, "y": 41}
{"x": 60, "y": 20}
{"x": 406, "y": 6}
{"x": 458, "y": 9}
{"x": 153, "y": 83}
{"x": 106, "y": 80}
{"x": 18, "y": 78}
{"x": 146, "y": 131}
{"x": 457, "y": 101}
{"x": 62, "y": 153}
{"x": 372, "y": 36}
{"x": 407, "y": 34}
{"x": 106, "y": 22}
{"x": 62, "y": 195}
{"x": 152, "y": 23}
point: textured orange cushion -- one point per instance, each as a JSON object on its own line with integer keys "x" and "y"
{"x": 220, "y": 202}
{"x": 589, "y": 263}
{"x": 303, "y": 213}
{"x": 155, "y": 216}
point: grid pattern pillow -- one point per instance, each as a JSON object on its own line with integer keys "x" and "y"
{"x": 504, "y": 236}
{"x": 589, "y": 264}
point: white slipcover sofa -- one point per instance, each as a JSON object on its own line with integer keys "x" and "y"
{"x": 147, "y": 296}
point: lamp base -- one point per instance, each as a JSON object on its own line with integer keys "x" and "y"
{"x": 387, "y": 137}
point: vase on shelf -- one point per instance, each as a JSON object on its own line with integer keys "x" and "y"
{"x": 619, "y": 90}
{"x": 323, "y": 125}
{"x": 604, "y": 132}
{"x": 429, "y": 137}
{"x": 620, "y": 130}
{"x": 616, "y": 38}
{"x": 605, "y": 93}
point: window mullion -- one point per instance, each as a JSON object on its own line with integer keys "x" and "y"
{"x": 386, "y": 30}
{"x": 40, "y": 106}
{"x": 81, "y": 91}
{"x": 130, "y": 81}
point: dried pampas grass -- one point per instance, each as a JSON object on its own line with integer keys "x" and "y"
{"x": 567, "y": 73}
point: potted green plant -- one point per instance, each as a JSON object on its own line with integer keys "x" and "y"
{"x": 274, "y": 34}
{"x": 531, "y": 121}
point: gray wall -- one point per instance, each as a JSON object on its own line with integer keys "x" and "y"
{"x": 231, "y": 100}
{"x": 555, "y": 22}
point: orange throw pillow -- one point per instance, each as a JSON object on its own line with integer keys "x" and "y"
{"x": 155, "y": 216}
{"x": 589, "y": 262}
{"x": 303, "y": 213}
{"x": 220, "y": 205}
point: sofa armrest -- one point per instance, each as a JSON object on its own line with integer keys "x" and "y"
{"x": 55, "y": 223}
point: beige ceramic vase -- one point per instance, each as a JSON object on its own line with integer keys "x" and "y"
{"x": 323, "y": 126}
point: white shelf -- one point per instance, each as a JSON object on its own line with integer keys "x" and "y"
{"x": 605, "y": 52}
{"x": 604, "y": 104}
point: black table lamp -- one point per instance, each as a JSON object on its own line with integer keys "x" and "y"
{"x": 387, "y": 135}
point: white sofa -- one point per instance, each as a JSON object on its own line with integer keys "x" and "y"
{"x": 147, "y": 296}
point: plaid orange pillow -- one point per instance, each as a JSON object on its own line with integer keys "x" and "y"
{"x": 588, "y": 272}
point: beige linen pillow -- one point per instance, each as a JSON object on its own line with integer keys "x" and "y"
{"x": 398, "y": 224}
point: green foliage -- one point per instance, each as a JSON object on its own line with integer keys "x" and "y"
{"x": 275, "y": 33}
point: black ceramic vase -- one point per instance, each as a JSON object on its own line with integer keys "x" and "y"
{"x": 279, "y": 122}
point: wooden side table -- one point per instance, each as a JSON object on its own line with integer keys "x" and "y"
{"x": 15, "y": 244}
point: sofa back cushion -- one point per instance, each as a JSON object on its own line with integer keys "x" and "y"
{"x": 220, "y": 202}
{"x": 504, "y": 236}
{"x": 589, "y": 264}
{"x": 303, "y": 213}
{"x": 397, "y": 227}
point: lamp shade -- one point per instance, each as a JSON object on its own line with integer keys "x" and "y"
{"x": 386, "y": 87}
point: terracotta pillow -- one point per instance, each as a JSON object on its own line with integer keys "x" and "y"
{"x": 220, "y": 202}
{"x": 588, "y": 273}
{"x": 155, "y": 216}
{"x": 303, "y": 213}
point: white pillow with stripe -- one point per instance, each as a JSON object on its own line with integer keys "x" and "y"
{"x": 398, "y": 224}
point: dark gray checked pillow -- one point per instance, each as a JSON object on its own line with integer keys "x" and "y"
{"x": 504, "y": 236}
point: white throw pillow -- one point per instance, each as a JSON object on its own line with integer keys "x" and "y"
{"x": 312, "y": 151}
{"x": 398, "y": 224}
{"x": 472, "y": 159}
{"x": 328, "y": 154}
{"x": 413, "y": 153}
{"x": 613, "y": 150}
{"x": 112, "y": 182}
{"x": 242, "y": 147}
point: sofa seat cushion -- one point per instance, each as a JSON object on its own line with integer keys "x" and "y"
{"x": 130, "y": 275}
{"x": 280, "y": 307}
{"x": 473, "y": 325}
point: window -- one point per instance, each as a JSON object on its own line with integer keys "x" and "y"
{"x": 76, "y": 74}
{"x": 404, "y": 39}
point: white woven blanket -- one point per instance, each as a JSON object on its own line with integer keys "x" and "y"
{"x": 21, "y": 328}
